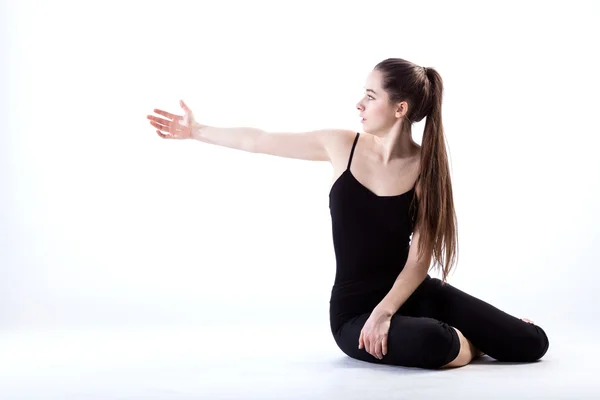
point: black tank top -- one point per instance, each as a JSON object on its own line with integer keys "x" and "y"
{"x": 371, "y": 238}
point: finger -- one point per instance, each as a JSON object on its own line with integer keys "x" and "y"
{"x": 374, "y": 349}
{"x": 170, "y": 128}
{"x": 360, "y": 341}
{"x": 384, "y": 348}
{"x": 378, "y": 350}
{"x": 162, "y": 135}
{"x": 161, "y": 127}
{"x": 167, "y": 114}
{"x": 159, "y": 120}
{"x": 187, "y": 110}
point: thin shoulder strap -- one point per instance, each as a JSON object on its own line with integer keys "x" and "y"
{"x": 352, "y": 151}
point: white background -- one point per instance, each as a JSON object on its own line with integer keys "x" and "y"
{"x": 106, "y": 226}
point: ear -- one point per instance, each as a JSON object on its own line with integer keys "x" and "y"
{"x": 402, "y": 109}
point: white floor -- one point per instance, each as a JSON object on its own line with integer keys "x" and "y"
{"x": 271, "y": 363}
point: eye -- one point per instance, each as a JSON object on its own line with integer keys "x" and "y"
{"x": 371, "y": 97}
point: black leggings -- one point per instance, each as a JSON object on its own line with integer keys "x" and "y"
{"x": 421, "y": 332}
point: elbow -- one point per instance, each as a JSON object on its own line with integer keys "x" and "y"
{"x": 418, "y": 269}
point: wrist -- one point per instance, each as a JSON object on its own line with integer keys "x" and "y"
{"x": 383, "y": 310}
{"x": 196, "y": 131}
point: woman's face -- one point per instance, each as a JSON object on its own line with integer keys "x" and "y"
{"x": 374, "y": 107}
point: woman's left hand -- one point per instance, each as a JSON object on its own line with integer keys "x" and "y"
{"x": 374, "y": 334}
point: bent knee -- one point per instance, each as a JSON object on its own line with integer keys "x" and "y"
{"x": 528, "y": 346}
{"x": 440, "y": 344}
{"x": 536, "y": 343}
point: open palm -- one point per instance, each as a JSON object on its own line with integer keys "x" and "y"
{"x": 175, "y": 126}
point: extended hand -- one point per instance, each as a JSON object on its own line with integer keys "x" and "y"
{"x": 177, "y": 126}
{"x": 374, "y": 334}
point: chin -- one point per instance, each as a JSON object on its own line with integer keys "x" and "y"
{"x": 366, "y": 129}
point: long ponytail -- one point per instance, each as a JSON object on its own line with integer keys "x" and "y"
{"x": 436, "y": 215}
{"x": 433, "y": 212}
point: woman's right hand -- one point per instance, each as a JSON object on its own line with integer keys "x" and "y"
{"x": 175, "y": 126}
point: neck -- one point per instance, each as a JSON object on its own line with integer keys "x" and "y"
{"x": 395, "y": 143}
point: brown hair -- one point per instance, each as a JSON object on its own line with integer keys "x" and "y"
{"x": 422, "y": 89}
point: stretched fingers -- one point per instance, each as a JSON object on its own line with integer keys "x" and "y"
{"x": 163, "y": 121}
{"x": 167, "y": 114}
{"x": 170, "y": 133}
{"x": 163, "y": 128}
{"x": 159, "y": 125}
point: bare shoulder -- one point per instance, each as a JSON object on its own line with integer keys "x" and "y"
{"x": 340, "y": 144}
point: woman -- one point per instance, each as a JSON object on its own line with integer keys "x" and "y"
{"x": 392, "y": 216}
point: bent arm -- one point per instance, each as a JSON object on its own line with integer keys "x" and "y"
{"x": 409, "y": 279}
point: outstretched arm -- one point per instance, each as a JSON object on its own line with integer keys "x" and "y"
{"x": 318, "y": 145}
{"x": 315, "y": 145}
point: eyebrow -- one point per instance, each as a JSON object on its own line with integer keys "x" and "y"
{"x": 371, "y": 90}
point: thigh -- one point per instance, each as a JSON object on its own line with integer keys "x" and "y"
{"x": 412, "y": 341}
{"x": 495, "y": 332}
